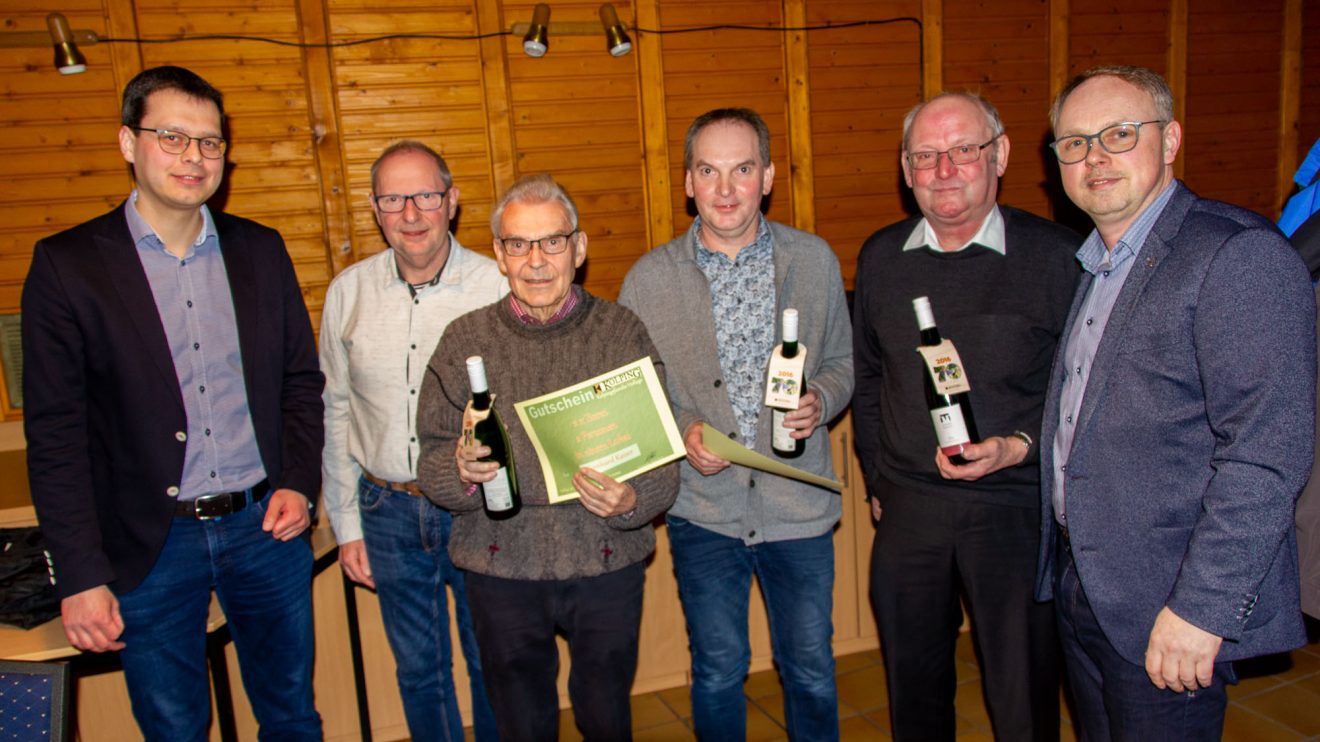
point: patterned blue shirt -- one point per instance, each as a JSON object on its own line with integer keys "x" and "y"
{"x": 742, "y": 293}
{"x": 196, "y": 309}
{"x": 1109, "y": 269}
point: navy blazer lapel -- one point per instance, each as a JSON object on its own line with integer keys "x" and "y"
{"x": 1148, "y": 260}
{"x": 242, "y": 288}
{"x": 124, "y": 269}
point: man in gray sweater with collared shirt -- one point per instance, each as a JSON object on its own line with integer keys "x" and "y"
{"x": 710, "y": 300}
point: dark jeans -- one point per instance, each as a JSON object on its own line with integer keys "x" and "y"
{"x": 797, "y": 580}
{"x": 407, "y": 539}
{"x": 264, "y": 586}
{"x": 1115, "y": 698}
{"x": 516, "y": 621}
{"x": 928, "y": 547}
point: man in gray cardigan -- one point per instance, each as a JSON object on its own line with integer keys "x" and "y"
{"x": 710, "y": 301}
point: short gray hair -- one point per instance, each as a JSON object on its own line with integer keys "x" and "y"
{"x": 534, "y": 189}
{"x": 1141, "y": 77}
{"x": 992, "y": 120}
{"x": 412, "y": 145}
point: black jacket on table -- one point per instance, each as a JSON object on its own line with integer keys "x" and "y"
{"x": 103, "y": 413}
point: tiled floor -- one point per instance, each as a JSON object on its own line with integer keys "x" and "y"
{"x": 1278, "y": 699}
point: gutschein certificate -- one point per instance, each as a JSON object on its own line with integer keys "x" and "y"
{"x": 617, "y": 423}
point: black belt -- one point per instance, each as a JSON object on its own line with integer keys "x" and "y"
{"x": 224, "y": 503}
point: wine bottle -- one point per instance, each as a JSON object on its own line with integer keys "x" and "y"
{"x": 784, "y": 445}
{"x": 955, "y": 427}
{"x": 499, "y": 495}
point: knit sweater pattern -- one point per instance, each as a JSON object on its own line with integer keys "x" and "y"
{"x": 523, "y": 361}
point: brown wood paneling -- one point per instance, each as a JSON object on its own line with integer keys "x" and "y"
{"x": 424, "y": 89}
{"x": 1230, "y": 142}
{"x": 1309, "y": 114}
{"x": 1002, "y": 51}
{"x": 574, "y": 114}
{"x": 863, "y": 81}
{"x": 720, "y": 69}
{"x": 61, "y": 161}
{"x": 1119, "y": 32}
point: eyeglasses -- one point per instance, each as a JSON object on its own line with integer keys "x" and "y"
{"x": 392, "y": 203}
{"x": 550, "y": 244}
{"x": 1115, "y": 140}
{"x": 963, "y": 154}
{"x": 176, "y": 143}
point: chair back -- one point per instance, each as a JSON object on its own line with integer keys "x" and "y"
{"x": 34, "y": 701}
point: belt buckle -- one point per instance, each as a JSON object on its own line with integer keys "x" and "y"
{"x": 210, "y": 507}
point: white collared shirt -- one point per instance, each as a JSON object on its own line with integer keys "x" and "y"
{"x": 376, "y": 339}
{"x": 990, "y": 235}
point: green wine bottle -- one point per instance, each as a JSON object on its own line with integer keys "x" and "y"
{"x": 499, "y": 495}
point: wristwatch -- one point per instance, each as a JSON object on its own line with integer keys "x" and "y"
{"x": 1022, "y": 437}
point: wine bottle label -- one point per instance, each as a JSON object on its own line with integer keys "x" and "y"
{"x": 783, "y": 382}
{"x": 497, "y": 493}
{"x": 950, "y": 428}
{"x": 945, "y": 368}
{"x": 779, "y": 435}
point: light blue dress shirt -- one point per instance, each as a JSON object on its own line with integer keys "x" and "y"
{"x": 1110, "y": 269}
{"x": 196, "y": 309}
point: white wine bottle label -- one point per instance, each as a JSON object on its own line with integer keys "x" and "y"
{"x": 945, "y": 368}
{"x": 779, "y": 435}
{"x": 496, "y": 491}
{"x": 783, "y": 381}
{"x": 950, "y": 428}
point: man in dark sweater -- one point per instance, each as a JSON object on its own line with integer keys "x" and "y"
{"x": 1000, "y": 281}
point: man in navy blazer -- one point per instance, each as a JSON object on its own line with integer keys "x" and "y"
{"x": 1177, "y": 430}
{"x": 173, "y": 414}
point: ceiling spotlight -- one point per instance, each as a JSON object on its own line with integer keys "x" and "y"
{"x": 616, "y": 38}
{"x": 68, "y": 60}
{"x": 536, "y": 42}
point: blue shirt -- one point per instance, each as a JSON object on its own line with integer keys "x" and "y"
{"x": 1110, "y": 269}
{"x": 196, "y": 310}
{"x": 742, "y": 293}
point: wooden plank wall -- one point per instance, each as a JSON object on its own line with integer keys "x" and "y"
{"x": 1309, "y": 115}
{"x": 306, "y": 123}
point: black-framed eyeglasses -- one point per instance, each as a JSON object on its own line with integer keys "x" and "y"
{"x": 963, "y": 154}
{"x": 393, "y": 203}
{"x": 176, "y": 142}
{"x": 550, "y": 244}
{"x": 1115, "y": 140}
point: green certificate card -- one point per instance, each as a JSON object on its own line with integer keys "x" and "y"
{"x": 618, "y": 423}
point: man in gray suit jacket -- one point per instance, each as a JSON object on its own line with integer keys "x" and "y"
{"x": 1177, "y": 430}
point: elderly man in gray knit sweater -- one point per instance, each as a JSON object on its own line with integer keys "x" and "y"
{"x": 576, "y": 567}
{"x": 710, "y": 300}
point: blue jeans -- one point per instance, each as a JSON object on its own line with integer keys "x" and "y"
{"x": 714, "y": 582}
{"x": 407, "y": 539}
{"x": 1115, "y": 698}
{"x": 264, "y": 586}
